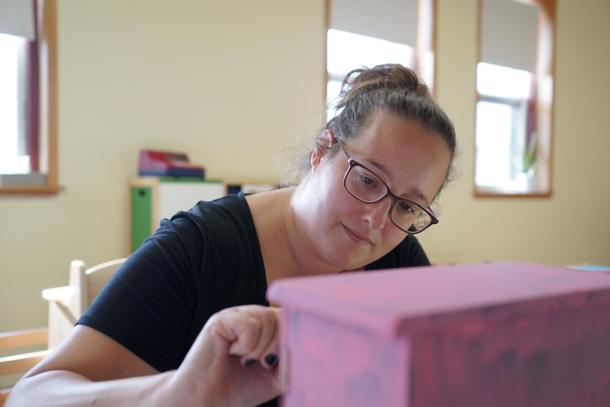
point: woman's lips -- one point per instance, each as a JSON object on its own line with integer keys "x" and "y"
{"x": 356, "y": 236}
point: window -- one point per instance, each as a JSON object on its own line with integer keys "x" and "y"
{"x": 13, "y": 155}
{"x": 363, "y": 33}
{"x": 503, "y": 137}
{"x": 514, "y": 105}
{"x": 27, "y": 102}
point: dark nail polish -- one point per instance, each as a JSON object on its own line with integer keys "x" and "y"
{"x": 249, "y": 362}
{"x": 271, "y": 359}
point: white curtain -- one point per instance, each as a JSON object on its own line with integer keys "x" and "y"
{"x": 17, "y": 18}
{"x": 509, "y": 34}
{"x": 390, "y": 20}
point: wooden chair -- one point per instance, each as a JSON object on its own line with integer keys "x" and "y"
{"x": 67, "y": 303}
{"x": 17, "y": 363}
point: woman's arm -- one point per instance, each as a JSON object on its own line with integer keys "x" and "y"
{"x": 232, "y": 362}
{"x": 89, "y": 367}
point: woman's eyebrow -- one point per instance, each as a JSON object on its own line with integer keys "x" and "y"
{"x": 380, "y": 167}
{"x": 383, "y": 169}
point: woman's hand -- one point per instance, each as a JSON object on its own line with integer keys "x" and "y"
{"x": 233, "y": 361}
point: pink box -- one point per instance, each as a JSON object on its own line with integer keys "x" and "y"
{"x": 494, "y": 334}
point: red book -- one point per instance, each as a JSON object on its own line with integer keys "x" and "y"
{"x": 169, "y": 164}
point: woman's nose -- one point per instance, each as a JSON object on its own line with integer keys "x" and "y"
{"x": 378, "y": 213}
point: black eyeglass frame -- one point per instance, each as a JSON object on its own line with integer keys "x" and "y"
{"x": 353, "y": 163}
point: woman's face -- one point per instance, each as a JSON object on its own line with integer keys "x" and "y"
{"x": 348, "y": 234}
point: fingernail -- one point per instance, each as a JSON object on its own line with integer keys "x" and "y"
{"x": 271, "y": 359}
{"x": 249, "y": 362}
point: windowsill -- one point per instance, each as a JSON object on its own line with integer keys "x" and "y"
{"x": 30, "y": 189}
{"x": 495, "y": 193}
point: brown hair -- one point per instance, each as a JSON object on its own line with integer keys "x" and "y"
{"x": 391, "y": 88}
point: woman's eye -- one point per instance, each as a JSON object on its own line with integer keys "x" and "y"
{"x": 364, "y": 180}
{"x": 406, "y": 207}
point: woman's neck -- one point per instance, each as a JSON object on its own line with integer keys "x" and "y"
{"x": 286, "y": 252}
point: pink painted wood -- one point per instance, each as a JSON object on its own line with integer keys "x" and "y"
{"x": 494, "y": 334}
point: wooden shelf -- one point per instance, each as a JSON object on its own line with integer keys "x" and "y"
{"x": 30, "y": 189}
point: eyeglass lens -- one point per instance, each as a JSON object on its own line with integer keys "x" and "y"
{"x": 368, "y": 188}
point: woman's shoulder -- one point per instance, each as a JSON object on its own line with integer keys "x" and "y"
{"x": 225, "y": 213}
{"x": 230, "y": 207}
{"x": 212, "y": 228}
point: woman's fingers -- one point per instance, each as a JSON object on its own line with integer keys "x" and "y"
{"x": 252, "y": 332}
{"x": 245, "y": 330}
{"x": 266, "y": 349}
{"x": 270, "y": 354}
{"x": 212, "y": 370}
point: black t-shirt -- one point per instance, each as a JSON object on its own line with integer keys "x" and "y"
{"x": 195, "y": 265}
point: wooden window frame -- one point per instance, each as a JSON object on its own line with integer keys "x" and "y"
{"x": 545, "y": 106}
{"x": 426, "y": 42}
{"x": 47, "y": 96}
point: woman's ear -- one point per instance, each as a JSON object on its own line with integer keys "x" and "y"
{"x": 322, "y": 147}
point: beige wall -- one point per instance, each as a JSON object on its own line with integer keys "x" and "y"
{"x": 231, "y": 82}
{"x": 236, "y": 84}
{"x": 574, "y": 225}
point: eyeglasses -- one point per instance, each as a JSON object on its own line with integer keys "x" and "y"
{"x": 366, "y": 186}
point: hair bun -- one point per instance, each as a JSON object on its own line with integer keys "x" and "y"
{"x": 386, "y": 76}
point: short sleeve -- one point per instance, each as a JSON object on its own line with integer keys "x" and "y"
{"x": 148, "y": 305}
{"x": 195, "y": 264}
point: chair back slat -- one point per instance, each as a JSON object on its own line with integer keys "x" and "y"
{"x": 97, "y": 277}
{"x": 15, "y": 359}
{"x": 24, "y": 338}
{"x": 67, "y": 304}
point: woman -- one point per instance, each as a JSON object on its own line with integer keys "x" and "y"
{"x": 185, "y": 322}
